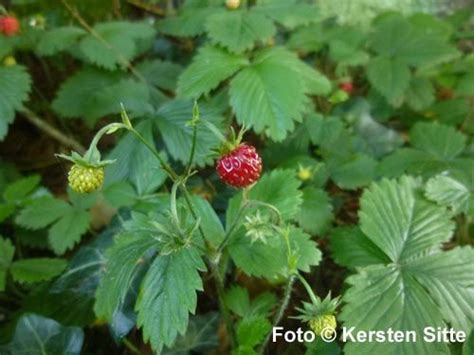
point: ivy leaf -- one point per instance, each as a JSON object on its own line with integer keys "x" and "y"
{"x": 59, "y": 39}
{"x": 171, "y": 120}
{"x": 123, "y": 260}
{"x": 390, "y": 77}
{"x": 167, "y": 296}
{"x": 37, "y": 334}
{"x": 15, "y": 84}
{"x": 37, "y": 269}
{"x": 416, "y": 288}
{"x": 259, "y": 93}
{"x": 210, "y": 66}
{"x": 239, "y": 30}
{"x": 316, "y": 214}
{"x": 134, "y": 162}
{"x": 122, "y": 37}
{"x": 7, "y": 251}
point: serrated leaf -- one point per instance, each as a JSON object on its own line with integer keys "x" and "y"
{"x": 239, "y": 30}
{"x": 171, "y": 120}
{"x": 167, "y": 296}
{"x": 465, "y": 85}
{"x": 15, "y": 83}
{"x": 420, "y": 94}
{"x": 237, "y": 300}
{"x": 19, "y": 189}
{"x": 351, "y": 248}
{"x": 443, "y": 142}
{"x": 189, "y": 22}
{"x": 251, "y": 331}
{"x": 42, "y": 212}
{"x": 35, "y": 334}
{"x": 59, "y": 39}
{"x": 38, "y": 269}
{"x": 135, "y": 162}
{"x": 162, "y": 74}
{"x": 210, "y": 222}
{"x": 68, "y": 230}
{"x": 289, "y": 13}
{"x": 259, "y": 93}
{"x": 7, "y": 251}
{"x": 123, "y": 260}
{"x": 210, "y": 66}
{"x": 390, "y": 77}
{"x": 316, "y": 214}
{"x": 352, "y": 172}
{"x": 121, "y": 37}
{"x": 449, "y": 192}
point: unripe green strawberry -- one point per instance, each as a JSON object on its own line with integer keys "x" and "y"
{"x": 320, "y": 323}
{"x": 232, "y": 4}
{"x": 85, "y": 179}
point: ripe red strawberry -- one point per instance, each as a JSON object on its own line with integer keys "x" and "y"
{"x": 241, "y": 167}
{"x": 9, "y": 25}
{"x": 346, "y": 86}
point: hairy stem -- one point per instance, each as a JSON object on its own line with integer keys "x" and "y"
{"x": 52, "y": 131}
{"x": 281, "y": 310}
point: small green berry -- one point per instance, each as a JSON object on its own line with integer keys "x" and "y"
{"x": 322, "y": 322}
{"x": 85, "y": 179}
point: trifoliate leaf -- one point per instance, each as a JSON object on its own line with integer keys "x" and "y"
{"x": 122, "y": 43}
{"x": 59, "y": 39}
{"x": 420, "y": 285}
{"x": 35, "y": 334}
{"x": 123, "y": 260}
{"x": 351, "y": 248}
{"x": 209, "y": 68}
{"x": 316, "y": 215}
{"x": 134, "y": 162}
{"x": 171, "y": 120}
{"x": 259, "y": 93}
{"x": 35, "y": 270}
{"x": 7, "y": 251}
{"x": 390, "y": 77}
{"x": 15, "y": 83}
{"x": 167, "y": 295}
{"x": 239, "y": 30}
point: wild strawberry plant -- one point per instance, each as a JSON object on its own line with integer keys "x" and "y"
{"x": 203, "y": 171}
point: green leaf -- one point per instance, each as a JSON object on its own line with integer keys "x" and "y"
{"x": 465, "y": 85}
{"x": 351, "y": 248}
{"x": 167, "y": 295}
{"x": 305, "y": 249}
{"x": 59, "y": 39}
{"x": 443, "y": 142}
{"x": 289, "y": 13}
{"x": 316, "y": 214}
{"x": 239, "y": 30}
{"x": 251, "y": 331}
{"x": 7, "y": 250}
{"x": 162, "y": 74}
{"x": 171, "y": 120}
{"x": 353, "y": 172}
{"x": 38, "y": 269}
{"x": 420, "y": 285}
{"x": 122, "y": 37}
{"x": 449, "y": 192}
{"x": 134, "y": 162}
{"x": 315, "y": 82}
{"x": 259, "y": 93}
{"x": 420, "y": 94}
{"x": 210, "y": 222}
{"x": 209, "y": 68}
{"x": 390, "y": 77}
{"x": 68, "y": 230}
{"x": 21, "y": 188}
{"x": 15, "y": 84}
{"x": 123, "y": 260}
{"x": 237, "y": 300}
{"x": 35, "y": 334}
{"x": 42, "y": 212}
{"x": 189, "y": 22}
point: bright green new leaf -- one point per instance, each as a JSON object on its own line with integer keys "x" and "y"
{"x": 167, "y": 295}
{"x": 239, "y": 30}
{"x": 15, "y": 83}
{"x": 38, "y": 269}
{"x": 210, "y": 67}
